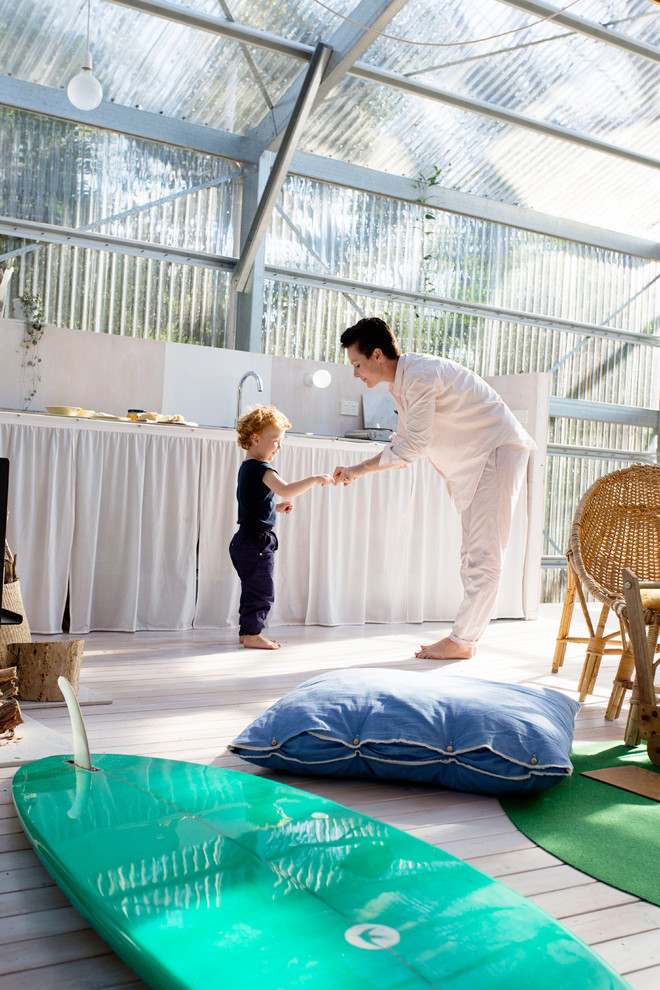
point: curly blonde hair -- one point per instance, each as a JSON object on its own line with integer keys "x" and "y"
{"x": 256, "y": 420}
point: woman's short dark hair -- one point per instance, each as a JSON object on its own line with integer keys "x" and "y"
{"x": 370, "y": 333}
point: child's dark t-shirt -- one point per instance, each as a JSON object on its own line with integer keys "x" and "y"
{"x": 256, "y": 502}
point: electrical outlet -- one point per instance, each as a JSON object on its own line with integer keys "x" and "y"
{"x": 348, "y": 408}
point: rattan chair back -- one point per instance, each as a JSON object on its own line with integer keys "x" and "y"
{"x": 616, "y": 525}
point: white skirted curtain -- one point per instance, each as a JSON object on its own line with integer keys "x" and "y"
{"x": 134, "y": 548}
{"x": 218, "y": 586}
{"x": 40, "y": 517}
{"x": 137, "y": 523}
{"x": 384, "y": 549}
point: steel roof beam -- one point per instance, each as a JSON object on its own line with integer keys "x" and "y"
{"x": 383, "y": 78}
{"x": 50, "y": 233}
{"x": 351, "y": 40}
{"x": 294, "y": 129}
{"x": 218, "y": 25}
{"x": 446, "y": 303}
{"x": 590, "y": 29}
{"x": 53, "y": 234}
{"x": 251, "y": 36}
{"x": 348, "y": 42}
{"x": 467, "y": 204}
{"x": 35, "y": 98}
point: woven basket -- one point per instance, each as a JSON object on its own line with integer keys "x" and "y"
{"x": 12, "y": 600}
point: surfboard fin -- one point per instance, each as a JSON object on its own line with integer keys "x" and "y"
{"x": 81, "y": 755}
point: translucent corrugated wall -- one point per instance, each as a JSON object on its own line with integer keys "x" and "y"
{"x": 411, "y": 247}
{"x": 65, "y": 174}
{"x": 105, "y": 292}
{"x": 54, "y": 171}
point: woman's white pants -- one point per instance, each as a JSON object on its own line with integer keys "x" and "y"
{"x": 486, "y": 526}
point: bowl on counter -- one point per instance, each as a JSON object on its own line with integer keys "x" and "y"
{"x": 63, "y": 410}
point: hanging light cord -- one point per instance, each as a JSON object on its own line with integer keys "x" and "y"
{"x": 89, "y": 13}
{"x": 449, "y": 44}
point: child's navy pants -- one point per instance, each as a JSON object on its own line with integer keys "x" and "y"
{"x": 251, "y": 552}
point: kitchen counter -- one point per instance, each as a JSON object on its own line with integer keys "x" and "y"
{"x": 178, "y": 429}
{"x": 132, "y": 521}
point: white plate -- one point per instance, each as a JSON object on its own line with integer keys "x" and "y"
{"x": 63, "y": 410}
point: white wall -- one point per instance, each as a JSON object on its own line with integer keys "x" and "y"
{"x": 112, "y": 374}
{"x": 94, "y": 371}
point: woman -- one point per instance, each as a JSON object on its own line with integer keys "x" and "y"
{"x": 455, "y": 419}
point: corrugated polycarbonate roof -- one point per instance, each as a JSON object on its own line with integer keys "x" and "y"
{"x": 546, "y": 73}
{"x": 523, "y": 62}
{"x": 143, "y": 61}
{"x": 305, "y": 21}
{"x": 395, "y": 132}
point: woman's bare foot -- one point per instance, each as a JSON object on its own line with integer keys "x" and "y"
{"x": 446, "y": 649}
{"x": 259, "y": 642}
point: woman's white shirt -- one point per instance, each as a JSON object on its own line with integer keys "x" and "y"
{"x": 453, "y": 417}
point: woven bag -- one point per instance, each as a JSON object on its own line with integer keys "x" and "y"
{"x": 12, "y": 600}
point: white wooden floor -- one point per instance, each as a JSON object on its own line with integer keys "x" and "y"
{"x": 186, "y": 695}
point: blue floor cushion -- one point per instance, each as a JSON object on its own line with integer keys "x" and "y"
{"x": 456, "y": 732}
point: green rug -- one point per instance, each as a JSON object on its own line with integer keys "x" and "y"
{"x": 610, "y": 834}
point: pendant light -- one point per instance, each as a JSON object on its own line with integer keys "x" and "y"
{"x": 84, "y": 90}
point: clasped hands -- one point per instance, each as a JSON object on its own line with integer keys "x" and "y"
{"x": 343, "y": 475}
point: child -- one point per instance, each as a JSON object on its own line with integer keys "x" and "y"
{"x": 260, "y": 432}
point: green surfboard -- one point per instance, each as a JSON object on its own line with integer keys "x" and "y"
{"x": 200, "y": 877}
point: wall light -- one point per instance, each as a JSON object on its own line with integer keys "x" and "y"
{"x": 84, "y": 90}
{"x": 318, "y": 379}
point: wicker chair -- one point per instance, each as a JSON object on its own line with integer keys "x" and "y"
{"x": 616, "y": 524}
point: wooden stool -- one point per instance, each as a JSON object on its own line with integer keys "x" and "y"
{"x": 39, "y": 665}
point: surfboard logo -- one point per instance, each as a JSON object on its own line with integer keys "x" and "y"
{"x": 372, "y": 936}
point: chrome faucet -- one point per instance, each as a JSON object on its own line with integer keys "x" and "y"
{"x": 239, "y": 401}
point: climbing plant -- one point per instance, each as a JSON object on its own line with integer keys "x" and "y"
{"x": 33, "y": 331}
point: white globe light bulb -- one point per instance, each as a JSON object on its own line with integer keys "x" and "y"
{"x": 84, "y": 90}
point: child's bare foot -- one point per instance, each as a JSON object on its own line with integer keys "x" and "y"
{"x": 259, "y": 642}
{"x": 446, "y": 649}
